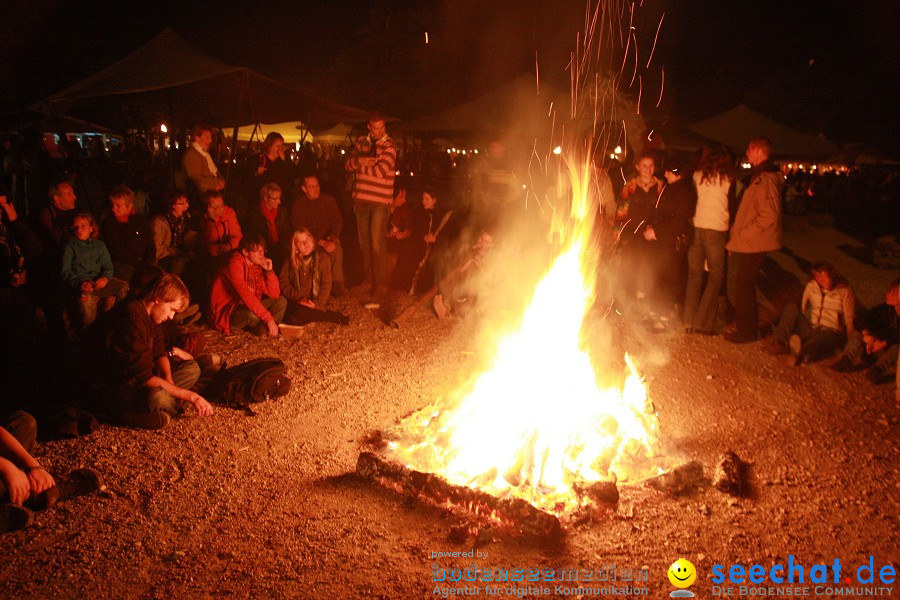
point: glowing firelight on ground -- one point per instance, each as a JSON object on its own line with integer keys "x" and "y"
{"x": 537, "y": 424}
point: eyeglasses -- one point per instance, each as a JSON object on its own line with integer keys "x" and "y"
{"x": 182, "y": 203}
{"x": 274, "y": 198}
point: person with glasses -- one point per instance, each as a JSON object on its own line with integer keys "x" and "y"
{"x": 172, "y": 235}
{"x": 270, "y": 220}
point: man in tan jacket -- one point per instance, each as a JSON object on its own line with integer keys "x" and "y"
{"x": 756, "y": 232}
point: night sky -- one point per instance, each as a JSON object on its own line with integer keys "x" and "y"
{"x": 822, "y": 66}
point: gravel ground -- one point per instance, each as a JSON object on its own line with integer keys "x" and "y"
{"x": 267, "y": 506}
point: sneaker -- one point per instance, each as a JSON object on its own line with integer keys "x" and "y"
{"x": 14, "y": 517}
{"x": 795, "y": 344}
{"x": 775, "y": 347}
{"x": 81, "y": 482}
{"x": 154, "y": 420}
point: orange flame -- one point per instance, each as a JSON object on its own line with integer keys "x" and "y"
{"x": 536, "y": 424}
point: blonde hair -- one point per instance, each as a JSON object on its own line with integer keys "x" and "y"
{"x": 122, "y": 192}
{"x": 167, "y": 288}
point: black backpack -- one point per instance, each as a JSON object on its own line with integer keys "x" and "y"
{"x": 254, "y": 381}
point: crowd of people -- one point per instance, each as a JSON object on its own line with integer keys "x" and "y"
{"x": 127, "y": 291}
{"x": 677, "y": 237}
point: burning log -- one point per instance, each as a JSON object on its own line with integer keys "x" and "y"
{"x": 509, "y": 515}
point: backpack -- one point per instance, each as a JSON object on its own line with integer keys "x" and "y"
{"x": 254, "y": 381}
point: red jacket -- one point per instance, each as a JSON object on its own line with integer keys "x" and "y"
{"x": 239, "y": 283}
{"x": 220, "y": 235}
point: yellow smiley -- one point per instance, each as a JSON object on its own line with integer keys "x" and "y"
{"x": 682, "y": 573}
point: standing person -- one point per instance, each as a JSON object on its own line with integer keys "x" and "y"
{"x": 372, "y": 164}
{"x": 275, "y": 168}
{"x": 756, "y": 232}
{"x": 320, "y": 214}
{"x": 54, "y": 228}
{"x": 669, "y": 230}
{"x": 714, "y": 181}
{"x": 246, "y": 293}
{"x": 198, "y": 164}
{"x": 636, "y": 205}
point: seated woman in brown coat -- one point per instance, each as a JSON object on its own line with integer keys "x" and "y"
{"x": 306, "y": 282}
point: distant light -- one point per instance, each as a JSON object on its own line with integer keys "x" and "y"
{"x": 611, "y": 155}
{"x": 524, "y": 187}
{"x": 411, "y": 174}
{"x": 396, "y": 172}
{"x": 464, "y": 152}
{"x": 746, "y": 165}
{"x": 475, "y": 150}
{"x": 618, "y": 150}
{"x": 163, "y": 128}
{"x": 426, "y": 37}
{"x": 814, "y": 167}
{"x": 297, "y": 146}
{"x": 448, "y": 150}
{"x": 343, "y": 151}
{"x": 557, "y": 150}
{"x": 454, "y": 149}
{"x": 176, "y": 145}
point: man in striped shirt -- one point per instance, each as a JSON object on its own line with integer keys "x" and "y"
{"x": 372, "y": 164}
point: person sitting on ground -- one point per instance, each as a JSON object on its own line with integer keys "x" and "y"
{"x": 220, "y": 231}
{"x": 130, "y": 376}
{"x": 306, "y": 282}
{"x": 54, "y": 228}
{"x": 269, "y": 219}
{"x": 127, "y": 235}
{"x": 882, "y": 325}
{"x": 24, "y": 484}
{"x": 87, "y": 270}
{"x": 822, "y": 322}
{"x": 426, "y": 221}
{"x": 198, "y": 164}
{"x": 246, "y": 293}
{"x": 455, "y": 290}
{"x": 172, "y": 236}
{"x": 319, "y": 213}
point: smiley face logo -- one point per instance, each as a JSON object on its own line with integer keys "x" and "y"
{"x": 682, "y": 573}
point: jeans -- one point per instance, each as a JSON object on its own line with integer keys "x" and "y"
{"x": 244, "y": 318}
{"x": 818, "y": 342}
{"x": 743, "y": 271}
{"x": 116, "y": 399}
{"x": 372, "y": 226}
{"x": 707, "y": 247}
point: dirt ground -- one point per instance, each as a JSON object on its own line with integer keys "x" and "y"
{"x": 268, "y": 506}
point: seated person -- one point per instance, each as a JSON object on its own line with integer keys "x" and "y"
{"x": 87, "y": 270}
{"x": 883, "y": 352}
{"x": 245, "y": 293}
{"x": 172, "y": 237}
{"x": 455, "y": 290}
{"x": 54, "y": 228}
{"x": 319, "y": 213}
{"x": 127, "y": 235}
{"x": 882, "y": 321}
{"x": 269, "y": 219}
{"x": 24, "y": 483}
{"x": 129, "y": 374}
{"x": 306, "y": 282}
{"x": 220, "y": 231}
{"x": 822, "y": 322}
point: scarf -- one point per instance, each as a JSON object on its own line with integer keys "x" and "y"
{"x": 269, "y": 215}
{"x": 212, "y": 166}
{"x": 176, "y": 226}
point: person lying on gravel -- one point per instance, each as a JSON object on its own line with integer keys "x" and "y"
{"x": 24, "y": 484}
{"x": 128, "y": 371}
{"x": 246, "y": 293}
